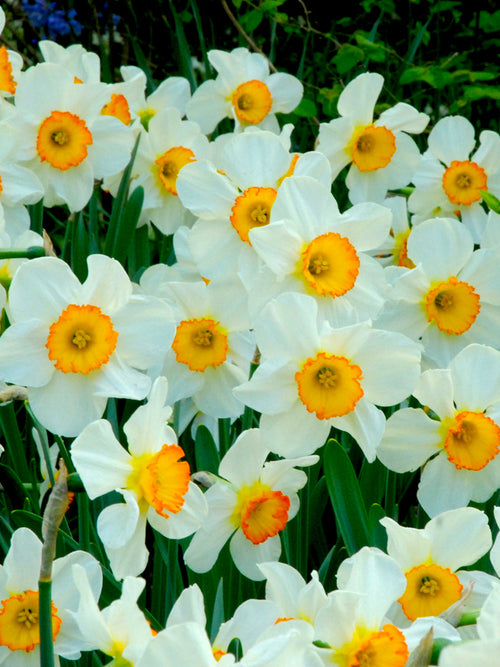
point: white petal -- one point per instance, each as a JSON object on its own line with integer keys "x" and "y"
{"x": 452, "y": 138}
{"x": 102, "y": 463}
{"x": 246, "y": 555}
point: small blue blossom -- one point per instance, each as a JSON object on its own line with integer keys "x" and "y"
{"x": 51, "y": 22}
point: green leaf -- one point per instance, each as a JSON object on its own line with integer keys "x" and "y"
{"x": 306, "y": 109}
{"x": 205, "y": 450}
{"x": 347, "y": 58}
{"x": 128, "y": 223}
{"x": 251, "y": 20}
{"x": 472, "y": 93}
{"x": 491, "y": 201}
{"x": 119, "y": 203}
{"x": 345, "y": 495}
{"x": 378, "y": 534}
{"x": 373, "y": 50}
{"x": 434, "y": 75}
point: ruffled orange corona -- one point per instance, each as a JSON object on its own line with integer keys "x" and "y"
{"x": 160, "y": 480}
{"x": 117, "y": 107}
{"x": 261, "y": 512}
{"x": 329, "y": 265}
{"x": 7, "y": 82}
{"x": 430, "y": 589}
{"x": 200, "y": 343}
{"x": 169, "y": 165}
{"x": 329, "y": 385}
{"x": 20, "y": 623}
{"x": 252, "y": 209}
{"x": 463, "y": 182}
{"x": 453, "y": 305}
{"x": 82, "y": 339}
{"x": 383, "y": 648}
{"x": 472, "y": 440}
{"x": 62, "y": 140}
{"x": 372, "y": 147}
{"x": 252, "y": 102}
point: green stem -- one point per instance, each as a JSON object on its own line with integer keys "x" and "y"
{"x": 45, "y": 611}
{"x": 28, "y": 253}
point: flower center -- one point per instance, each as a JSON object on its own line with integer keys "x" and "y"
{"x": 430, "y": 589}
{"x": 329, "y": 265}
{"x": 117, "y": 107}
{"x": 7, "y": 82}
{"x": 19, "y": 622}
{"x": 383, "y": 648}
{"x": 252, "y": 209}
{"x": 260, "y": 512}
{"x": 169, "y": 165}
{"x": 372, "y": 147}
{"x": 329, "y": 385}
{"x": 252, "y": 102}
{"x": 81, "y": 340}
{"x": 160, "y": 480}
{"x": 62, "y": 140}
{"x": 200, "y": 343}
{"x": 453, "y": 305}
{"x": 463, "y": 182}
{"x": 471, "y": 440}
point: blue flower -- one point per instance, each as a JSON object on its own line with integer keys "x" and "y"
{"x": 51, "y": 22}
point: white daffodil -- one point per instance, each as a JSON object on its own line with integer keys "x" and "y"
{"x": 235, "y": 193}
{"x": 430, "y": 557}
{"x": 174, "y": 91}
{"x": 451, "y": 298}
{"x": 212, "y": 349}
{"x": 310, "y": 247}
{"x": 164, "y": 150}
{"x": 353, "y": 627}
{"x": 312, "y": 377}
{"x": 121, "y": 630}
{"x": 450, "y": 180}
{"x": 74, "y": 345}
{"x": 19, "y": 613}
{"x": 465, "y": 398}
{"x": 151, "y": 476}
{"x": 383, "y": 155}
{"x": 291, "y": 596}
{"x": 11, "y": 64}
{"x": 251, "y": 503}
{"x": 243, "y": 90}
{"x": 64, "y": 137}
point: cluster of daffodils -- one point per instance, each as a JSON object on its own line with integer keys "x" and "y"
{"x": 192, "y": 400}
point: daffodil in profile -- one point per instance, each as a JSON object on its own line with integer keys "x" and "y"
{"x": 250, "y": 503}
{"x": 152, "y": 476}
{"x": 457, "y": 445}
{"x": 73, "y": 345}
{"x": 243, "y": 90}
{"x": 381, "y": 153}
